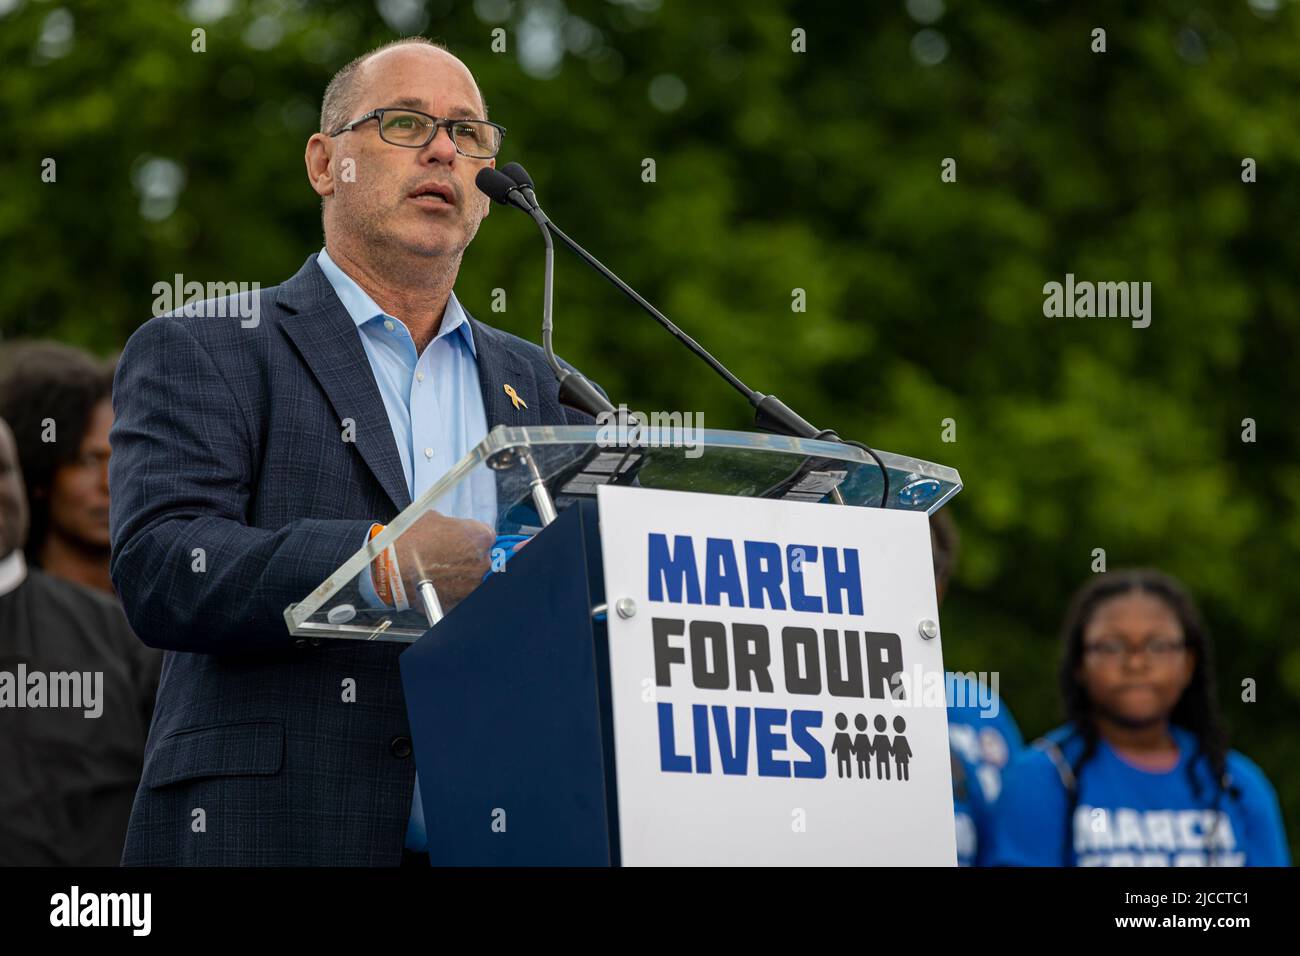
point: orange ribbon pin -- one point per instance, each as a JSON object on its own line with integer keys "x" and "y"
{"x": 514, "y": 396}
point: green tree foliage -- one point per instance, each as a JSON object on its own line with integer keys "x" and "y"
{"x": 777, "y": 170}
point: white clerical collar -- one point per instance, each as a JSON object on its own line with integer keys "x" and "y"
{"x": 13, "y": 571}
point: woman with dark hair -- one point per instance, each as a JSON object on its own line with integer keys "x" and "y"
{"x": 1141, "y": 774}
{"x": 57, "y": 400}
{"x": 76, "y": 696}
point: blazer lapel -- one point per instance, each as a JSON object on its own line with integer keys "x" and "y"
{"x": 499, "y": 369}
{"x": 329, "y": 343}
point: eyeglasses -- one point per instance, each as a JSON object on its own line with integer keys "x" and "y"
{"x": 1160, "y": 649}
{"x": 477, "y": 139}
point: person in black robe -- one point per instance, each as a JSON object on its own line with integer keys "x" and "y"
{"x": 68, "y": 773}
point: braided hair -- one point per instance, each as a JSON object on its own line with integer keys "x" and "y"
{"x": 1195, "y": 711}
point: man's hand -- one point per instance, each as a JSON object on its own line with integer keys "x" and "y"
{"x": 453, "y": 553}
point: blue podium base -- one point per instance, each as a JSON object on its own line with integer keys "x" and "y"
{"x": 508, "y": 699}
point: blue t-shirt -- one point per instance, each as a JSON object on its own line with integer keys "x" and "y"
{"x": 982, "y": 741}
{"x": 1127, "y": 816}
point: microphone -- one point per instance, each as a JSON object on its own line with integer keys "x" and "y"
{"x": 770, "y": 413}
{"x": 523, "y": 181}
{"x": 575, "y": 391}
{"x": 499, "y": 187}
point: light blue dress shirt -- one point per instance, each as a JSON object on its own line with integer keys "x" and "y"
{"x": 435, "y": 409}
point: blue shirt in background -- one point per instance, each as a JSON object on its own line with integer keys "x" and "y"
{"x": 982, "y": 743}
{"x": 1128, "y": 816}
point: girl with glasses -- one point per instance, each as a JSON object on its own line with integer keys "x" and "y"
{"x": 1140, "y": 775}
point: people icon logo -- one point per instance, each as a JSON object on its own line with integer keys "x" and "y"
{"x": 861, "y": 747}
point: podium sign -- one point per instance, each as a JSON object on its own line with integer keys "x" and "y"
{"x": 775, "y": 696}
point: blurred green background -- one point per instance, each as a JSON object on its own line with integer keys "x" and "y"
{"x": 778, "y": 170}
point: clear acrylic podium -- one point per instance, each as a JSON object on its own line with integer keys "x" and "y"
{"x": 517, "y": 480}
{"x": 508, "y": 688}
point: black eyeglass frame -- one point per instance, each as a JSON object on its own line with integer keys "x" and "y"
{"x": 439, "y": 122}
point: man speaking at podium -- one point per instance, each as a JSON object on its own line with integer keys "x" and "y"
{"x": 238, "y": 486}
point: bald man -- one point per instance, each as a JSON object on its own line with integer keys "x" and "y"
{"x": 76, "y": 693}
{"x": 228, "y": 444}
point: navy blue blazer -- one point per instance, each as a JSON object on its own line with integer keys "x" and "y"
{"x": 229, "y": 439}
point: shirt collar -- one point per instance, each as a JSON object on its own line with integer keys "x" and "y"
{"x": 362, "y": 308}
{"x": 13, "y": 571}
